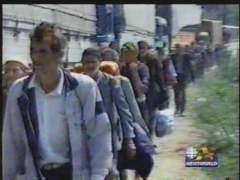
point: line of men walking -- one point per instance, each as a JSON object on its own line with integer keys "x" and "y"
{"x": 92, "y": 123}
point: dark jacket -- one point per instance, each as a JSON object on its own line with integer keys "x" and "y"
{"x": 187, "y": 71}
{"x": 144, "y": 76}
{"x": 156, "y": 84}
{"x": 131, "y": 100}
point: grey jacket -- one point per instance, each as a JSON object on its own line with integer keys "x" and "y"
{"x": 131, "y": 100}
{"x": 117, "y": 108}
{"x": 20, "y": 130}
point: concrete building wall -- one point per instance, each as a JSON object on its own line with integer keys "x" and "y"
{"x": 140, "y": 17}
{"x": 19, "y": 20}
{"x": 79, "y": 17}
{"x": 140, "y": 20}
{"x": 79, "y": 21}
{"x": 135, "y": 37}
{"x": 183, "y": 15}
{"x": 14, "y": 47}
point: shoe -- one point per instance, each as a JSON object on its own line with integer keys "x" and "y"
{"x": 157, "y": 152}
{"x": 176, "y": 112}
{"x": 181, "y": 115}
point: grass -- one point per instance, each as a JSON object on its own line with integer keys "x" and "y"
{"x": 215, "y": 107}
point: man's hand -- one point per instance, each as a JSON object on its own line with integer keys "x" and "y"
{"x": 129, "y": 148}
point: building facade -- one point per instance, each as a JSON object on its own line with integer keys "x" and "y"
{"x": 77, "y": 21}
{"x": 89, "y": 25}
{"x": 140, "y": 23}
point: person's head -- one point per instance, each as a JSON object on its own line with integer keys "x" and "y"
{"x": 178, "y": 49}
{"x": 115, "y": 46}
{"x": 47, "y": 46}
{"x": 129, "y": 52}
{"x": 109, "y": 54}
{"x": 91, "y": 59}
{"x": 143, "y": 47}
{"x": 13, "y": 70}
{"x": 110, "y": 67}
{"x": 151, "y": 58}
{"x": 160, "y": 51}
{"x": 187, "y": 48}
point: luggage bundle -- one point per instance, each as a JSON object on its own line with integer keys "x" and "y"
{"x": 164, "y": 122}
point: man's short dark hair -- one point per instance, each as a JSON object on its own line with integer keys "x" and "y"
{"x": 160, "y": 50}
{"x": 113, "y": 43}
{"x": 177, "y": 46}
{"x": 92, "y": 52}
{"x": 49, "y": 32}
{"x": 114, "y": 54}
{"x": 130, "y": 47}
{"x": 139, "y": 43}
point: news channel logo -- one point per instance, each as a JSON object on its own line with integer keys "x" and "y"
{"x": 201, "y": 157}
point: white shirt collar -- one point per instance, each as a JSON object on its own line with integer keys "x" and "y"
{"x": 57, "y": 91}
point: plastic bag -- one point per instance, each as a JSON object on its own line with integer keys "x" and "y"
{"x": 164, "y": 122}
{"x": 169, "y": 114}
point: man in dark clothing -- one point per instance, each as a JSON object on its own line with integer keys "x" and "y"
{"x": 169, "y": 74}
{"x": 184, "y": 70}
{"x": 115, "y": 46}
{"x": 137, "y": 73}
{"x": 153, "y": 61}
{"x": 157, "y": 96}
{"x": 143, "y": 48}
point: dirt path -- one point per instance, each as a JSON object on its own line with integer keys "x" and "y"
{"x": 169, "y": 163}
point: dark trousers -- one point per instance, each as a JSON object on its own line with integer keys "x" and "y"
{"x": 62, "y": 173}
{"x": 142, "y": 163}
{"x": 123, "y": 175}
{"x": 180, "y": 96}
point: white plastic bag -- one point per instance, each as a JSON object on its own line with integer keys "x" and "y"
{"x": 169, "y": 115}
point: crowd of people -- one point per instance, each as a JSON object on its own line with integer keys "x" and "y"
{"x": 96, "y": 120}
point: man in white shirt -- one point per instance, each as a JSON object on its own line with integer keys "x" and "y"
{"x": 53, "y": 129}
{"x": 55, "y": 125}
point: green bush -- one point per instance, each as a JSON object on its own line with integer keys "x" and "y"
{"x": 218, "y": 115}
